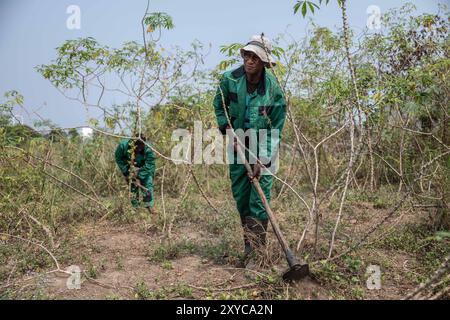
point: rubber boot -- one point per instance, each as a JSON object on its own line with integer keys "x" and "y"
{"x": 248, "y": 249}
{"x": 135, "y": 203}
{"x": 258, "y": 231}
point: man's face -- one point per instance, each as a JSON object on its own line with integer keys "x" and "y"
{"x": 140, "y": 147}
{"x": 252, "y": 63}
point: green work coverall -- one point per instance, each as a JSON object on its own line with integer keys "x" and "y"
{"x": 145, "y": 161}
{"x": 263, "y": 109}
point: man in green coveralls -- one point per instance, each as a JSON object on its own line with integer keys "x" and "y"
{"x": 141, "y": 173}
{"x": 249, "y": 98}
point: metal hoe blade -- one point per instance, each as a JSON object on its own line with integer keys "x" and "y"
{"x": 296, "y": 272}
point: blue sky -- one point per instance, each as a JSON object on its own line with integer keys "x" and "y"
{"x": 30, "y": 30}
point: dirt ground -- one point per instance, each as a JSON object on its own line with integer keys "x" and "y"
{"x": 137, "y": 261}
{"x": 126, "y": 272}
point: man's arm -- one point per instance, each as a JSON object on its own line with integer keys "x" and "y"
{"x": 121, "y": 159}
{"x": 221, "y": 103}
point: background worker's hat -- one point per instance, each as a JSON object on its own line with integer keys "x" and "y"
{"x": 261, "y": 46}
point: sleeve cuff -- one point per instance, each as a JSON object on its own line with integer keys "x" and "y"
{"x": 223, "y": 128}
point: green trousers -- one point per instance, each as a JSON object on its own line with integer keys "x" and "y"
{"x": 247, "y": 198}
{"x": 147, "y": 197}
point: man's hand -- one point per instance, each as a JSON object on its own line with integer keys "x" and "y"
{"x": 256, "y": 172}
{"x": 135, "y": 170}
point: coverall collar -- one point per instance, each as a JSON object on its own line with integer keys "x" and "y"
{"x": 239, "y": 72}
